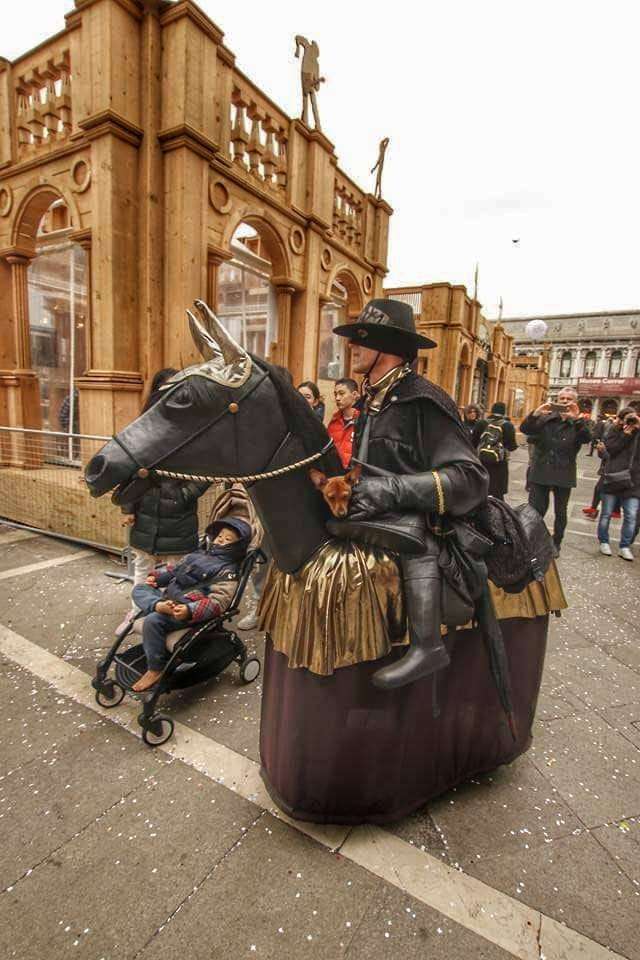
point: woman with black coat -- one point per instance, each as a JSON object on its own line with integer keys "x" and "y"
{"x": 621, "y": 452}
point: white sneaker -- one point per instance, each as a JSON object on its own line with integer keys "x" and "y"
{"x": 250, "y": 619}
{"x": 625, "y": 553}
{"x": 605, "y": 549}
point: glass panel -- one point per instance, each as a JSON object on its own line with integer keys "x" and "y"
{"x": 590, "y": 364}
{"x": 615, "y": 364}
{"x": 246, "y": 305}
{"x": 58, "y": 311}
{"x": 331, "y": 349}
{"x": 565, "y": 365}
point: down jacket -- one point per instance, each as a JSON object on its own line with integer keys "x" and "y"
{"x": 167, "y": 517}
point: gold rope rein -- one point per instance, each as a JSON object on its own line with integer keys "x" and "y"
{"x": 249, "y": 477}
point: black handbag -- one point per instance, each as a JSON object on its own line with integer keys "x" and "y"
{"x": 620, "y": 480}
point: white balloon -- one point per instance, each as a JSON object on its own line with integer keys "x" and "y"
{"x": 536, "y": 329}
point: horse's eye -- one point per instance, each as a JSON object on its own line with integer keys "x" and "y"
{"x": 179, "y": 400}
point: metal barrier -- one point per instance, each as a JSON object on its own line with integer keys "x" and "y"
{"x": 42, "y": 489}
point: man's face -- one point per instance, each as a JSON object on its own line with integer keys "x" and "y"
{"x": 362, "y": 358}
{"x": 225, "y": 537}
{"x": 472, "y": 415}
{"x": 344, "y": 397}
{"x": 568, "y": 398}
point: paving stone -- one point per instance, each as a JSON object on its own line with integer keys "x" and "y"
{"x": 624, "y": 719}
{"x": 121, "y": 878}
{"x": 554, "y": 702}
{"x": 513, "y": 808}
{"x": 397, "y": 926}
{"x": 47, "y": 801}
{"x": 34, "y": 717}
{"x": 60, "y": 602}
{"x": 420, "y": 831}
{"x": 25, "y": 552}
{"x": 575, "y": 881}
{"x": 622, "y": 842}
{"x": 279, "y": 893}
{"x": 595, "y": 769}
{"x": 593, "y": 677}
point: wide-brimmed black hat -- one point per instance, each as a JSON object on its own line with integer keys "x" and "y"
{"x": 388, "y": 326}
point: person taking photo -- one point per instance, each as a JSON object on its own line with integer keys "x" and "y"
{"x": 559, "y": 431}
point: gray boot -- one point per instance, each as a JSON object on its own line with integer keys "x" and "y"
{"x": 427, "y": 653}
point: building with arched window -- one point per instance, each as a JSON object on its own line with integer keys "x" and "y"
{"x": 123, "y": 199}
{"x": 597, "y": 353}
{"x": 473, "y": 357}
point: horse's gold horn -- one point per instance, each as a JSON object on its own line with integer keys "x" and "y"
{"x": 231, "y": 350}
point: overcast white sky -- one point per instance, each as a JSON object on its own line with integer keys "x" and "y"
{"x": 508, "y": 119}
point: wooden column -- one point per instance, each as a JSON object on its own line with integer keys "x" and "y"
{"x": 215, "y": 257}
{"x": 19, "y": 264}
{"x": 19, "y": 390}
{"x": 284, "y": 293}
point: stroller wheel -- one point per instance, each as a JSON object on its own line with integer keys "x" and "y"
{"x": 109, "y": 694}
{"x": 160, "y": 730}
{"x": 250, "y": 670}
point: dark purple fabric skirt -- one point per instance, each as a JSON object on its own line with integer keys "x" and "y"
{"x": 337, "y": 750}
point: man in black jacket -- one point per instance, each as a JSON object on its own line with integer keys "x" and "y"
{"x": 558, "y": 435}
{"x": 411, "y": 429}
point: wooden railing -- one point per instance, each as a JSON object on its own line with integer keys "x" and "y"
{"x": 348, "y": 207}
{"x": 43, "y": 108}
{"x": 258, "y": 137}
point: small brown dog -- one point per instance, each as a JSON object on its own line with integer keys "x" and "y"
{"x": 336, "y": 490}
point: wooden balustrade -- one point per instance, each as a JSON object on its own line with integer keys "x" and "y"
{"x": 43, "y": 102}
{"x": 348, "y": 205}
{"x": 258, "y": 136}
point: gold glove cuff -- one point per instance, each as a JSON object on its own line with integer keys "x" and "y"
{"x": 439, "y": 492}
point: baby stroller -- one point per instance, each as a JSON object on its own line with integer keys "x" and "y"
{"x": 197, "y": 654}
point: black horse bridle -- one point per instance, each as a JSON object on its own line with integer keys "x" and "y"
{"x": 143, "y": 471}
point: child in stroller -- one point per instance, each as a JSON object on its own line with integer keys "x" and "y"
{"x": 198, "y": 588}
{"x": 193, "y": 648}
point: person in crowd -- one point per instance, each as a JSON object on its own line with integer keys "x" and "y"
{"x": 164, "y": 521}
{"x": 64, "y": 414}
{"x": 607, "y": 424}
{"x": 597, "y": 433}
{"x": 473, "y": 422}
{"x": 620, "y": 451}
{"x": 199, "y": 588}
{"x": 342, "y": 423}
{"x": 495, "y": 443}
{"x": 311, "y": 393}
{"x": 559, "y": 431}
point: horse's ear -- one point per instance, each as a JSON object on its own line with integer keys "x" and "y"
{"x": 203, "y": 341}
{"x": 318, "y": 478}
{"x": 231, "y": 351}
{"x": 225, "y": 360}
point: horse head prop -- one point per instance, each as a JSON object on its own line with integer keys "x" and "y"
{"x": 230, "y": 416}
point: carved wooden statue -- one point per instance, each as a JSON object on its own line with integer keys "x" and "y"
{"x": 379, "y": 166}
{"x": 311, "y": 79}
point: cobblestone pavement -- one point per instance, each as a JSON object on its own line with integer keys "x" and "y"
{"x": 112, "y": 850}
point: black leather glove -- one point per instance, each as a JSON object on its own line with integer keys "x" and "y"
{"x": 377, "y": 495}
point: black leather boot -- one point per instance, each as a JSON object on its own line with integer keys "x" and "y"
{"x": 427, "y": 653}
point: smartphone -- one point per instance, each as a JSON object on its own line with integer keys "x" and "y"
{"x": 557, "y": 407}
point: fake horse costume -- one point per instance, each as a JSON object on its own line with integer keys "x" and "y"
{"x": 334, "y": 748}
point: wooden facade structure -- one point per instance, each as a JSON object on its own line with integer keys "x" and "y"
{"x": 474, "y": 359}
{"x": 136, "y": 120}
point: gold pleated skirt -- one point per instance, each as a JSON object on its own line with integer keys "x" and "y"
{"x": 346, "y": 606}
